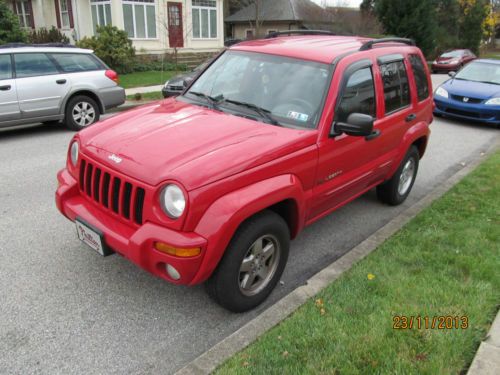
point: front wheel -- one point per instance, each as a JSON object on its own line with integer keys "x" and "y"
{"x": 396, "y": 190}
{"x": 252, "y": 264}
{"x": 81, "y": 112}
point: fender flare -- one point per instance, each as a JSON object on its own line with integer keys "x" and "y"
{"x": 225, "y": 215}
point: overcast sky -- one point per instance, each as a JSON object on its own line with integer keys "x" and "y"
{"x": 349, "y": 3}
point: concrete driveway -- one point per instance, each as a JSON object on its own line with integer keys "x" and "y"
{"x": 64, "y": 309}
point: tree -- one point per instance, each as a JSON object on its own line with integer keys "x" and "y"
{"x": 10, "y": 30}
{"x": 472, "y": 25}
{"x": 414, "y": 19}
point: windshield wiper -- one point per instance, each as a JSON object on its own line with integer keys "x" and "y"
{"x": 264, "y": 113}
{"x": 212, "y": 101}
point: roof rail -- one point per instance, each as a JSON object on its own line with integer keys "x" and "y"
{"x": 19, "y": 45}
{"x": 276, "y": 34}
{"x": 368, "y": 45}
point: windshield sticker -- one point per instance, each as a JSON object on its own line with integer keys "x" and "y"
{"x": 298, "y": 116}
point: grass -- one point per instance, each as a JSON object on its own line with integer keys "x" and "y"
{"x": 444, "y": 262}
{"x": 141, "y": 79}
{"x": 491, "y": 55}
{"x": 146, "y": 96}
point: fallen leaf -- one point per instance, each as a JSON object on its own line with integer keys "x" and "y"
{"x": 370, "y": 276}
{"x": 319, "y": 302}
{"x": 322, "y": 311}
{"x": 246, "y": 364}
{"x": 421, "y": 357}
{"x": 285, "y": 354}
{"x": 279, "y": 337}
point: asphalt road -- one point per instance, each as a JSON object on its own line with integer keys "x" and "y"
{"x": 64, "y": 309}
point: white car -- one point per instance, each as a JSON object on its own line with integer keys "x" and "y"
{"x": 42, "y": 83}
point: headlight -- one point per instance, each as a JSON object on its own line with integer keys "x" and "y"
{"x": 166, "y": 83}
{"x": 442, "y": 92}
{"x": 73, "y": 154}
{"x": 493, "y": 101}
{"x": 173, "y": 201}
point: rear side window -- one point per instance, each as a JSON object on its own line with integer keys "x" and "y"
{"x": 358, "y": 95}
{"x": 5, "y": 67}
{"x": 76, "y": 62}
{"x": 421, "y": 81}
{"x": 396, "y": 88}
{"x": 33, "y": 64}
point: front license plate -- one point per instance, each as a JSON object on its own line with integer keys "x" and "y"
{"x": 90, "y": 237}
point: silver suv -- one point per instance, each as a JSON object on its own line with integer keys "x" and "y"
{"x": 45, "y": 84}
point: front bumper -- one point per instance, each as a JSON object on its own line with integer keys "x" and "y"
{"x": 133, "y": 242}
{"x": 445, "y": 67}
{"x": 487, "y": 114}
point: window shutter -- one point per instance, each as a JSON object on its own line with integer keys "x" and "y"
{"x": 70, "y": 13}
{"x": 58, "y": 14}
{"x": 32, "y": 17}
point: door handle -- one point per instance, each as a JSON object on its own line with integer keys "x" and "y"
{"x": 411, "y": 117}
{"x": 61, "y": 81}
{"x": 375, "y": 134}
{"x": 5, "y": 88}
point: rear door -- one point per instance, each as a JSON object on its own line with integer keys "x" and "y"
{"x": 9, "y": 106}
{"x": 41, "y": 86}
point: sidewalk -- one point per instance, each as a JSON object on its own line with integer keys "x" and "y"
{"x": 487, "y": 359}
{"x": 143, "y": 90}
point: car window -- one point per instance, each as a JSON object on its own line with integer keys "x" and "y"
{"x": 421, "y": 81}
{"x": 5, "y": 67}
{"x": 358, "y": 95}
{"x": 76, "y": 62}
{"x": 396, "y": 88}
{"x": 452, "y": 54}
{"x": 479, "y": 71}
{"x": 33, "y": 64}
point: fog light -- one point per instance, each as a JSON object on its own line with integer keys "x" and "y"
{"x": 183, "y": 253}
{"x": 173, "y": 273}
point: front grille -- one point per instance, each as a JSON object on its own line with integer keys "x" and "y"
{"x": 470, "y": 100}
{"x": 111, "y": 192}
{"x": 175, "y": 88}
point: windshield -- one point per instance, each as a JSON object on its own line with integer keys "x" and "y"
{"x": 480, "y": 72}
{"x": 453, "y": 54}
{"x": 277, "y": 89}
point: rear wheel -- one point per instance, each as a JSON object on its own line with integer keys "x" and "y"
{"x": 252, "y": 264}
{"x": 81, "y": 112}
{"x": 396, "y": 190}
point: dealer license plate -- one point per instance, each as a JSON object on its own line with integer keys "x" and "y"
{"x": 90, "y": 237}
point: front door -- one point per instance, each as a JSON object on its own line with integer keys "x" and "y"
{"x": 175, "y": 34}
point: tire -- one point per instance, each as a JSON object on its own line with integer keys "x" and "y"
{"x": 84, "y": 104}
{"x": 395, "y": 191}
{"x": 227, "y": 286}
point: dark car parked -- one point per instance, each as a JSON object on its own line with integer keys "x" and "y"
{"x": 452, "y": 61}
{"x": 176, "y": 85}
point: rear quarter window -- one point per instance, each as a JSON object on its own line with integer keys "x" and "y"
{"x": 396, "y": 87}
{"x": 76, "y": 62}
{"x": 420, "y": 75}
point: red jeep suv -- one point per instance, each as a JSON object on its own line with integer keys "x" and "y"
{"x": 273, "y": 135}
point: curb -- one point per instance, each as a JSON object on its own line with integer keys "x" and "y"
{"x": 238, "y": 340}
{"x": 487, "y": 359}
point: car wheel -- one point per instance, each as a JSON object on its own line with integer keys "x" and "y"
{"x": 252, "y": 264}
{"x": 396, "y": 190}
{"x": 81, "y": 112}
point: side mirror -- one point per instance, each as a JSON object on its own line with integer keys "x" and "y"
{"x": 452, "y": 74}
{"x": 357, "y": 125}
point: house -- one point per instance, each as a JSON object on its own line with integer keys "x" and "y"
{"x": 154, "y": 26}
{"x": 276, "y": 15}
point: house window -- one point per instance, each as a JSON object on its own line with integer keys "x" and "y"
{"x": 64, "y": 13}
{"x": 204, "y": 19}
{"x": 249, "y": 34}
{"x": 139, "y": 17}
{"x": 23, "y": 12}
{"x": 101, "y": 13}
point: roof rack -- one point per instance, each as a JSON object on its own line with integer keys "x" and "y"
{"x": 19, "y": 45}
{"x": 368, "y": 45}
{"x": 276, "y": 34}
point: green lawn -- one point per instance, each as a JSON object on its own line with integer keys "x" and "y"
{"x": 491, "y": 55}
{"x": 147, "y": 96}
{"x": 140, "y": 79}
{"x": 446, "y": 261}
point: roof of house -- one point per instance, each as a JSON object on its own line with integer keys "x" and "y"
{"x": 319, "y": 48}
{"x": 282, "y": 10}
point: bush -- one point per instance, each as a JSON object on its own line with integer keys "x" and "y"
{"x": 10, "y": 30}
{"x": 112, "y": 46}
{"x": 145, "y": 66}
{"x": 43, "y": 35}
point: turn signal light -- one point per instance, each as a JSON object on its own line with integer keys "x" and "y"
{"x": 178, "y": 252}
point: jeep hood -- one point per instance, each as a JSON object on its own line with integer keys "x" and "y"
{"x": 193, "y": 145}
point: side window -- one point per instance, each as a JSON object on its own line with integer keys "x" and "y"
{"x": 358, "y": 95}
{"x": 396, "y": 88}
{"x": 76, "y": 62}
{"x": 420, "y": 75}
{"x": 33, "y": 64}
{"x": 5, "y": 67}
